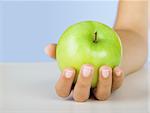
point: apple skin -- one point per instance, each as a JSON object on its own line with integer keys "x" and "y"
{"x": 77, "y": 47}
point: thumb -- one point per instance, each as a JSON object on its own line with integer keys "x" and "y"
{"x": 50, "y": 50}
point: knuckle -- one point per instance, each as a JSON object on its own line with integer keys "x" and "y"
{"x": 80, "y": 98}
{"x": 117, "y": 84}
{"x": 81, "y": 93}
{"x": 60, "y": 92}
{"x": 102, "y": 97}
{"x": 83, "y": 84}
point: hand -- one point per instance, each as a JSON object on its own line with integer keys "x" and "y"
{"x": 110, "y": 80}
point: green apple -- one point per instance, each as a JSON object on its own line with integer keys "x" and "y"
{"x": 88, "y": 42}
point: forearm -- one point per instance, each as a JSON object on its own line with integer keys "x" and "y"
{"x": 134, "y": 50}
{"x": 131, "y": 26}
{"x": 133, "y": 15}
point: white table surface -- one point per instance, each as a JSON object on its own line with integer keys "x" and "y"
{"x": 29, "y": 87}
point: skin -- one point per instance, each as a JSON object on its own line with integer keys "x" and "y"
{"x": 133, "y": 34}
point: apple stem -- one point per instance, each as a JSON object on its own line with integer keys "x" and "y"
{"x": 95, "y": 37}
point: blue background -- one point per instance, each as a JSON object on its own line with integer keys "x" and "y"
{"x": 27, "y": 27}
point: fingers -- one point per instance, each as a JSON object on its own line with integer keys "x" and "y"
{"x": 63, "y": 85}
{"x": 103, "y": 90}
{"x": 106, "y": 82}
{"x": 83, "y": 85}
{"x": 117, "y": 78}
{"x": 50, "y": 50}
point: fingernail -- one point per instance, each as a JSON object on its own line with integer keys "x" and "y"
{"x": 118, "y": 72}
{"x": 68, "y": 73}
{"x": 87, "y": 70}
{"x": 105, "y": 73}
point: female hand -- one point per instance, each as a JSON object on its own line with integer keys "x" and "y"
{"x": 110, "y": 80}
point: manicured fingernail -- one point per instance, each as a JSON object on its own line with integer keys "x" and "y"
{"x": 68, "y": 73}
{"x": 86, "y": 71}
{"x": 105, "y": 73}
{"x": 118, "y": 72}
